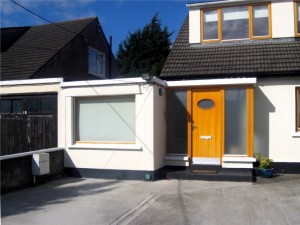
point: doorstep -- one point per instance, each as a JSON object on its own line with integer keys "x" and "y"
{"x": 210, "y": 173}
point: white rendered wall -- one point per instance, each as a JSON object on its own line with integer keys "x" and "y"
{"x": 138, "y": 156}
{"x": 159, "y": 127}
{"x": 274, "y": 133}
{"x": 39, "y": 88}
{"x": 194, "y": 26}
{"x": 283, "y": 19}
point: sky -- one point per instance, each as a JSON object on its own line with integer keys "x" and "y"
{"x": 117, "y": 17}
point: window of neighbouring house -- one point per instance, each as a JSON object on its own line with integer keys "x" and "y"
{"x": 238, "y": 22}
{"x": 96, "y": 63}
{"x": 297, "y": 18}
{"x": 106, "y": 119}
{"x": 298, "y": 109}
{"x": 177, "y": 118}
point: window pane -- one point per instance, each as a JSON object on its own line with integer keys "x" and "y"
{"x": 92, "y": 62}
{"x": 235, "y": 23}
{"x": 110, "y": 119}
{"x": 34, "y": 105}
{"x": 206, "y": 104}
{"x": 47, "y": 104}
{"x": 298, "y": 16}
{"x": 17, "y": 106}
{"x": 260, "y": 20}
{"x": 5, "y": 105}
{"x": 96, "y": 63}
{"x": 235, "y": 121}
{"x": 210, "y": 25}
{"x": 177, "y": 122}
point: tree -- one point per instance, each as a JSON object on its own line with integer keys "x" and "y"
{"x": 144, "y": 51}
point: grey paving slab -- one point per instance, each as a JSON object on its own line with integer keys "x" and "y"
{"x": 96, "y": 201}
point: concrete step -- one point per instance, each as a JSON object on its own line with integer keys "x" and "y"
{"x": 211, "y": 173}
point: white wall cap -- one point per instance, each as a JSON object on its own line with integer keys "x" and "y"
{"x": 120, "y": 81}
{"x": 237, "y": 159}
{"x": 31, "y": 81}
{"x": 120, "y": 147}
{"x": 210, "y": 82}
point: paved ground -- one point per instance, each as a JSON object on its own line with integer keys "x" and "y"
{"x": 95, "y": 201}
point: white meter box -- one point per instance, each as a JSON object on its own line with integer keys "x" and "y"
{"x": 40, "y": 164}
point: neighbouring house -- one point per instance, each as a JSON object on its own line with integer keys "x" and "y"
{"x": 71, "y": 50}
{"x": 233, "y": 79}
{"x": 36, "y": 60}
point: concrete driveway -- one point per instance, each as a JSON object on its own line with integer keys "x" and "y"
{"x": 96, "y": 201}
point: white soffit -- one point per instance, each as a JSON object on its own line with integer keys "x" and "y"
{"x": 212, "y": 82}
{"x": 225, "y": 3}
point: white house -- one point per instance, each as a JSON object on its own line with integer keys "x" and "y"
{"x": 235, "y": 72}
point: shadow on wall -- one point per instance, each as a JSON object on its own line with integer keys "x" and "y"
{"x": 262, "y": 109}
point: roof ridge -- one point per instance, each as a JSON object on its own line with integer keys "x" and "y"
{"x": 53, "y": 23}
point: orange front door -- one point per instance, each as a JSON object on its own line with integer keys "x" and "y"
{"x": 207, "y": 122}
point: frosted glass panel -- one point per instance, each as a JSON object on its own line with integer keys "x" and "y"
{"x": 260, "y": 11}
{"x": 235, "y": 121}
{"x": 211, "y": 16}
{"x": 235, "y": 13}
{"x": 108, "y": 119}
{"x": 177, "y": 122}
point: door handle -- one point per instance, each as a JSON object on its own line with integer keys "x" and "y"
{"x": 194, "y": 126}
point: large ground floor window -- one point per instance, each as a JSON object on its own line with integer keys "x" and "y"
{"x": 105, "y": 119}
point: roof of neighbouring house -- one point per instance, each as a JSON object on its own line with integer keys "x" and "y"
{"x": 247, "y": 58}
{"x": 24, "y": 50}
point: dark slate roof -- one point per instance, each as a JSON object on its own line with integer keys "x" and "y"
{"x": 35, "y": 46}
{"x": 231, "y": 59}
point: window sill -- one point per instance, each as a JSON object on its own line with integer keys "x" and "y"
{"x": 296, "y": 134}
{"x": 118, "y": 147}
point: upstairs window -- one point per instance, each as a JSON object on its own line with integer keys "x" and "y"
{"x": 239, "y": 22}
{"x": 210, "y": 25}
{"x": 96, "y": 63}
{"x": 260, "y": 21}
{"x": 297, "y": 18}
{"x": 235, "y": 23}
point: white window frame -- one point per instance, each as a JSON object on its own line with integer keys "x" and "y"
{"x": 100, "y": 58}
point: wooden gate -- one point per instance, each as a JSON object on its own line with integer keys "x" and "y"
{"x": 28, "y": 123}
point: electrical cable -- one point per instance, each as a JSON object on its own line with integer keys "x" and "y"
{"x": 28, "y": 10}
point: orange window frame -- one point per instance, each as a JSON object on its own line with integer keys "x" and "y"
{"x": 297, "y": 31}
{"x": 250, "y": 11}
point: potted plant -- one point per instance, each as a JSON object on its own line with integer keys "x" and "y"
{"x": 265, "y": 166}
